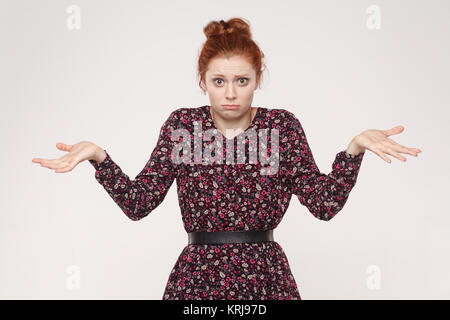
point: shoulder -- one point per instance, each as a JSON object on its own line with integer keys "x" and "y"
{"x": 286, "y": 114}
{"x": 280, "y": 117}
{"x": 181, "y": 113}
{"x": 186, "y": 113}
{"x": 288, "y": 124}
{"x": 184, "y": 117}
{"x": 176, "y": 113}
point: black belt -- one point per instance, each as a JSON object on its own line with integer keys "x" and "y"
{"x": 220, "y": 237}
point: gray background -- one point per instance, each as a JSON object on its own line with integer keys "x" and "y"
{"x": 116, "y": 80}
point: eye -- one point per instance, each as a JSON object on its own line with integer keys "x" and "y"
{"x": 219, "y": 79}
{"x": 216, "y": 80}
{"x": 246, "y": 79}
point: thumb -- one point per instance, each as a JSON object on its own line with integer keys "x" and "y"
{"x": 394, "y": 130}
{"x": 63, "y": 146}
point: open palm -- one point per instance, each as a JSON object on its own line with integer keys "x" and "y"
{"x": 378, "y": 141}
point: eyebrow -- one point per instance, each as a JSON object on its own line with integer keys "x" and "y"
{"x": 237, "y": 75}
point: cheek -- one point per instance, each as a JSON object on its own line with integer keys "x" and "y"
{"x": 216, "y": 94}
{"x": 248, "y": 92}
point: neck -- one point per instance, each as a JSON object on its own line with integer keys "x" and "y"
{"x": 235, "y": 126}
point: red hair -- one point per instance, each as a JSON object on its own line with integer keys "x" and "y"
{"x": 225, "y": 39}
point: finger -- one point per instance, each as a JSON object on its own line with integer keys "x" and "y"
{"x": 394, "y": 130}
{"x": 393, "y": 153}
{"x": 51, "y": 161}
{"x": 63, "y": 146}
{"x": 47, "y": 163}
{"x": 55, "y": 164}
{"x": 64, "y": 169}
{"x": 42, "y": 162}
{"x": 382, "y": 155}
{"x": 39, "y": 160}
{"x": 415, "y": 150}
{"x": 45, "y": 160}
{"x": 399, "y": 148}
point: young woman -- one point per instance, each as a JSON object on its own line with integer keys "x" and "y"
{"x": 230, "y": 208}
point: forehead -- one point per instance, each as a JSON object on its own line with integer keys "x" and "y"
{"x": 235, "y": 65}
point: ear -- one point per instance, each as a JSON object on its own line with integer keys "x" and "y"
{"x": 258, "y": 81}
{"x": 203, "y": 86}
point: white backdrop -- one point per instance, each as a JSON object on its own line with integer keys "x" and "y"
{"x": 340, "y": 67}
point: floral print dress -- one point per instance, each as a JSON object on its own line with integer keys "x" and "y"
{"x": 231, "y": 196}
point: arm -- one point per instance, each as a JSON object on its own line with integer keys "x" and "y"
{"x": 138, "y": 197}
{"x": 99, "y": 156}
{"x": 323, "y": 194}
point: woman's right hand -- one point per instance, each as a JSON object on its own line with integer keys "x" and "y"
{"x": 77, "y": 153}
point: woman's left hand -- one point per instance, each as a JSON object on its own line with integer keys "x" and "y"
{"x": 378, "y": 142}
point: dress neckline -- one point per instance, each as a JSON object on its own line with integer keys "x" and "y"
{"x": 252, "y": 124}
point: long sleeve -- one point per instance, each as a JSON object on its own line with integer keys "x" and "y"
{"x": 323, "y": 194}
{"x": 138, "y": 197}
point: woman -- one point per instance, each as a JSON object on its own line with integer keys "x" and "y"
{"x": 230, "y": 209}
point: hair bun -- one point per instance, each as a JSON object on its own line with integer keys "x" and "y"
{"x": 227, "y": 39}
{"x": 221, "y": 28}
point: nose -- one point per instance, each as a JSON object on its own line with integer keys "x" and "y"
{"x": 230, "y": 92}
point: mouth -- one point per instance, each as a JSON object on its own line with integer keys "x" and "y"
{"x": 230, "y": 106}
